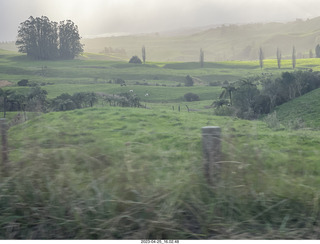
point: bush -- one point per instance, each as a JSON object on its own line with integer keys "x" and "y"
{"x": 272, "y": 121}
{"x": 225, "y": 111}
{"x": 119, "y": 81}
{"x": 23, "y": 82}
{"x": 190, "y": 97}
{"x": 189, "y": 81}
{"x": 135, "y": 60}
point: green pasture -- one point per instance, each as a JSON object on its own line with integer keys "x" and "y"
{"x": 130, "y": 173}
{"x": 304, "y": 110}
{"x": 137, "y": 173}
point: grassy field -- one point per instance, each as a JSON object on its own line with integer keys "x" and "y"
{"x": 134, "y": 173}
{"x": 303, "y": 110}
{"x": 113, "y": 173}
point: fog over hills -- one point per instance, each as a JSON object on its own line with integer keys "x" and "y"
{"x": 223, "y": 42}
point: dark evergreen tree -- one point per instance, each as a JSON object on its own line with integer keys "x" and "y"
{"x": 317, "y": 50}
{"x": 201, "y": 58}
{"x": 294, "y": 57}
{"x": 144, "y": 54}
{"x": 279, "y": 58}
{"x": 261, "y": 57}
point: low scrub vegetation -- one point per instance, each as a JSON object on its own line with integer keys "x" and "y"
{"x": 251, "y": 102}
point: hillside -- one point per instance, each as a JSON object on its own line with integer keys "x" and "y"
{"x": 304, "y": 110}
{"x": 227, "y": 42}
{"x": 113, "y": 173}
{"x": 110, "y": 172}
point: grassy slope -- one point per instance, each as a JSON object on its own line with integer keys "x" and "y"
{"x": 115, "y": 173}
{"x": 305, "y": 108}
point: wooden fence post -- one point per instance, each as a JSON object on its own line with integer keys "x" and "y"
{"x": 211, "y": 143}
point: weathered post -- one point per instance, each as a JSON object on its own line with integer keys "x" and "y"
{"x": 4, "y": 128}
{"x": 211, "y": 144}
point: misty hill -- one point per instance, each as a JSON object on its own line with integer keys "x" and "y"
{"x": 226, "y": 42}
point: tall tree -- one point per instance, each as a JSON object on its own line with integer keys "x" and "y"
{"x": 279, "y": 58}
{"x": 293, "y": 57}
{"x": 261, "y": 57}
{"x": 317, "y": 50}
{"x": 144, "y": 54}
{"x": 43, "y": 39}
{"x": 69, "y": 40}
{"x": 201, "y": 58}
{"x": 310, "y": 54}
{"x": 38, "y": 38}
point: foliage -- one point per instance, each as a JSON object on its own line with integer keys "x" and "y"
{"x": 23, "y": 82}
{"x": 37, "y": 100}
{"x": 244, "y": 99}
{"x": 189, "y": 81}
{"x": 201, "y": 58}
{"x": 119, "y": 81}
{"x": 191, "y": 97}
{"x": 69, "y": 40}
{"x": 220, "y": 103}
{"x": 135, "y": 60}
{"x": 144, "y": 54}
{"x": 317, "y": 51}
{"x": 227, "y": 92}
{"x": 43, "y": 39}
{"x": 272, "y": 121}
{"x": 225, "y": 111}
{"x": 294, "y": 61}
{"x": 261, "y": 57}
{"x": 279, "y": 55}
{"x": 126, "y": 99}
{"x": 79, "y": 100}
{"x": 38, "y": 38}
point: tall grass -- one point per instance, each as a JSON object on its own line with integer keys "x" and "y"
{"x": 112, "y": 173}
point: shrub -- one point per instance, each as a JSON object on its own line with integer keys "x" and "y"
{"x": 272, "y": 121}
{"x": 189, "y": 81}
{"x": 135, "y": 60}
{"x": 119, "y": 81}
{"x": 190, "y": 97}
{"x": 23, "y": 82}
{"x": 225, "y": 111}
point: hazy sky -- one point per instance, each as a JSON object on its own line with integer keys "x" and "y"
{"x": 141, "y": 16}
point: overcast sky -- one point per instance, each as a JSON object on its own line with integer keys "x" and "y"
{"x": 141, "y": 16}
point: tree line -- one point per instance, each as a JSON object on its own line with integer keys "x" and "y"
{"x": 36, "y": 100}
{"x": 245, "y": 100}
{"x": 43, "y": 39}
